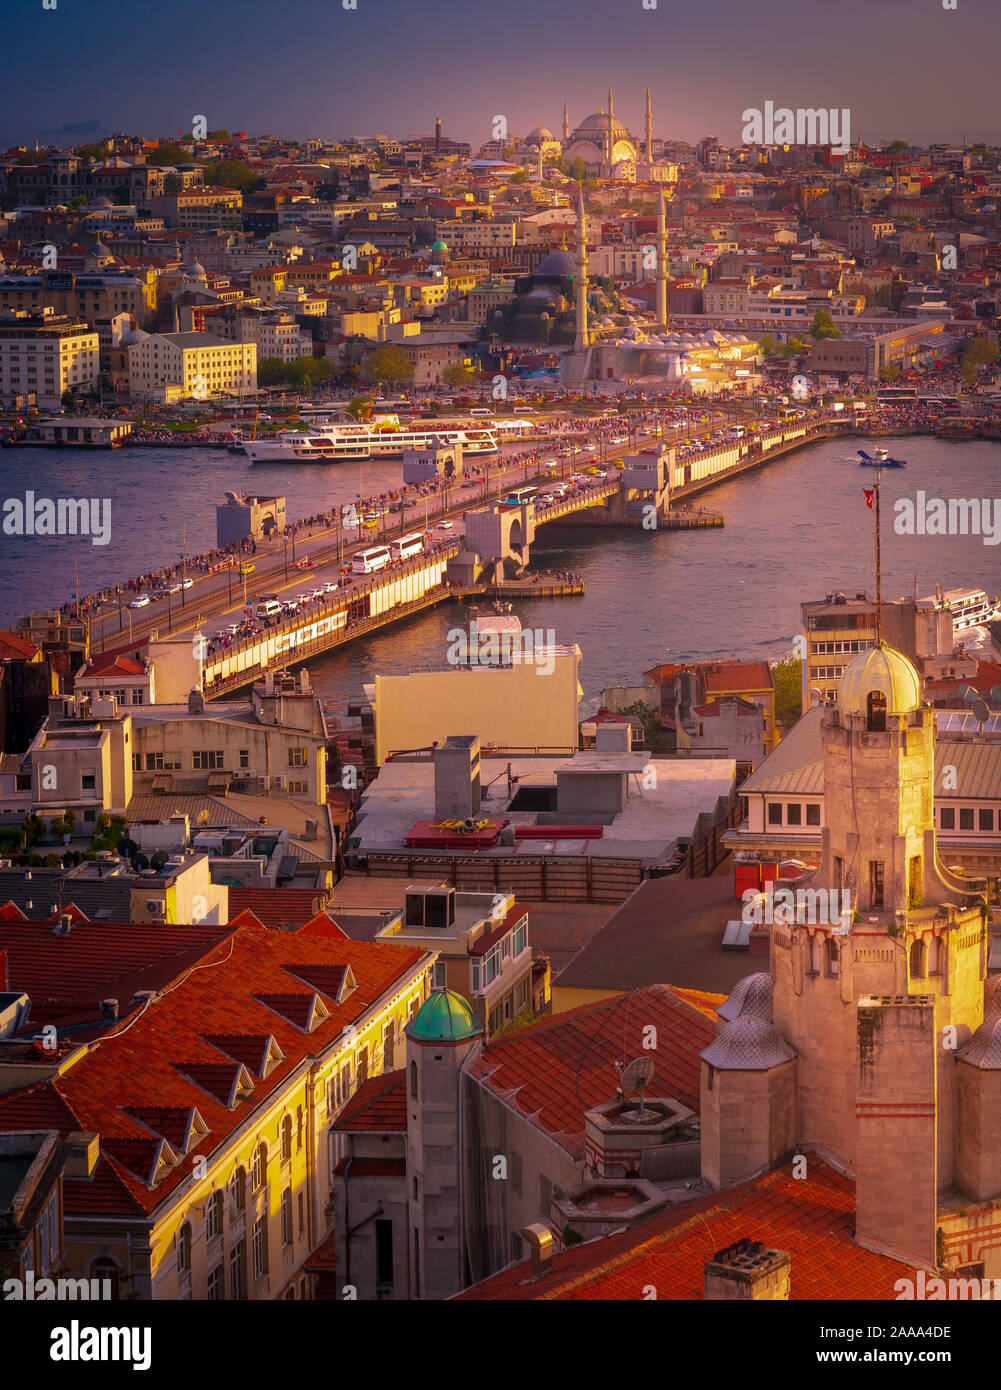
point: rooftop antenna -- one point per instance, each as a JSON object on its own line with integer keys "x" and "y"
{"x": 635, "y": 1078}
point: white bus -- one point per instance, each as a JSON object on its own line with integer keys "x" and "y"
{"x": 368, "y": 561}
{"x": 406, "y": 546}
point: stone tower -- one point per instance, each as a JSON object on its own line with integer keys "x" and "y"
{"x": 439, "y": 1040}
{"x": 878, "y": 990}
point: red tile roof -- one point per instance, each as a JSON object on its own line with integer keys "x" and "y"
{"x": 112, "y": 664}
{"x": 561, "y": 1067}
{"x": 377, "y": 1107}
{"x": 14, "y": 648}
{"x": 276, "y": 907}
{"x": 165, "y": 1057}
{"x": 812, "y": 1218}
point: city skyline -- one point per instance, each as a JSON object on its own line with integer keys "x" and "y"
{"x": 434, "y": 67}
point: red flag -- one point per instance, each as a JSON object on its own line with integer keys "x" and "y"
{"x": 870, "y": 493}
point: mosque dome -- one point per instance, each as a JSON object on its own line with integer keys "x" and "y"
{"x": 439, "y": 245}
{"x": 195, "y": 271}
{"x": 749, "y": 1043}
{"x": 538, "y": 136}
{"x": 595, "y": 128}
{"x": 559, "y": 264}
{"x": 881, "y": 669}
{"x": 102, "y": 203}
{"x": 444, "y": 1016}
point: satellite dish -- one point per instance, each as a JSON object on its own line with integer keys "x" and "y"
{"x": 636, "y": 1077}
{"x": 126, "y": 847}
{"x": 158, "y": 860}
{"x": 139, "y": 862}
{"x": 981, "y": 711}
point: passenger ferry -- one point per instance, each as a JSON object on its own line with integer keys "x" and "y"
{"x": 970, "y": 607}
{"x": 345, "y": 443}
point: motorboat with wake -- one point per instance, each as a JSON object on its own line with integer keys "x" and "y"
{"x": 879, "y": 458}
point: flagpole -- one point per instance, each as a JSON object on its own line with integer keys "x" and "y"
{"x": 879, "y": 573}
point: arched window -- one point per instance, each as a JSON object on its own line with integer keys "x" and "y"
{"x": 917, "y": 959}
{"x": 832, "y": 957}
{"x": 286, "y": 1138}
{"x": 107, "y": 1268}
{"x": 213, "y": 1215}
{"x": 876, "y": 712}
{"x": 413, "y": 1080}
{"x": 184, "y": 1248}
{"x": 260, "y": 1165}
{"x": 238, "y": 1190}
{"x": 936, "y": 955}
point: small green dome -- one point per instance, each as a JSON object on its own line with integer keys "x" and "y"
{"x": 439, "y": 246}
{"x": 444, "y": 1016}
{"x": 883, "y": 669}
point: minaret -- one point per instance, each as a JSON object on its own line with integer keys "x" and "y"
{"x": 649, "y": 130}
{"x": 582, "y": 338}
{"x": 661, "y": 259}
{"x": 611, "y": 132}
{"x": 566, "y": 121}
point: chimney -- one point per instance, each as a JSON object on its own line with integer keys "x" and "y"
{"x": 64, "y": 926}
{"x": 109, "y": 1010}
{"x": 748, "y": 1270}
{"x": 82, "y": 1151}
{"x": 196, "y": 702}
{"x": 540, "y": 1241}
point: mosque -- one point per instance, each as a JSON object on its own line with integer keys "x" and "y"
{"x": 607, "y": 148}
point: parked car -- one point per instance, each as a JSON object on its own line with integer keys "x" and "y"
{"x": 141, "y": 602}
{"x": 188, "y": 584}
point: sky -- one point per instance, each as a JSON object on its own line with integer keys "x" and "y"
{"x": 904, "y": 68}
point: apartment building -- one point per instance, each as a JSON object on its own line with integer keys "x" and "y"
{"x": 178, "y": 366}
{"x": 200, "y": 208}
{"x": 45, "y": 356}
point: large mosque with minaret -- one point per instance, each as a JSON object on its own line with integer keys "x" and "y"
{"x": 607, "y": 148}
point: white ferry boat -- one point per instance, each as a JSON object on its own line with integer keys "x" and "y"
{"x": 969, "y": 607}
{"x": 345, "y": 443}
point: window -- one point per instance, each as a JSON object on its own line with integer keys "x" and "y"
{"x": 876, "y": 712}
{"x": 521, "y": 994}
{"x": 184, "y": 1249}
{"x": 299, "y": 1128}
{"x": 388, "y": 1045}
{"x": 260, "y": 1166}
{"x": 302, "y": 1213}
{"x": 238, "y": 1190}
{"x": 137, "y": 762}
{"x": 875, "y": 883}
{"x": 520, "y": 937}
{"x": 947, "y": 818}
{"x": 260, "y": 1247}
{"x": 985, "y": 819}
{"x": 966, "y": 818}
{"x": 413, "y": 1080}
{"x": 297, "y": 757}
{"x": 206, "y": 759}
{"x": 286, "y": 1138}
{"x": 215, "y": 1291}
{"x": 137, "y": 697}
{"x": 106, "y": 1268}
{"x": 439, "y": 977}
{"x": 917, "y": 960}
{"x": 88, "y": 781}
{"x": 244, "y": 757}
{"x": 832, "y": 958}
{"x": 794, "y": 813}
{"x": 774, "y": 813}
{"x": 237, "y": 1264}
{"x": 287, "y": 1216}
{"x": 383, "y": 1252}
{"x": 22, "y": 782}
{"x": 213, "y": 1216}
{"x": 363, "y": 1066}
{"x": 813, "y": 815}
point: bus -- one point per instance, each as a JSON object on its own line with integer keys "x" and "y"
{"x": 520, "y": 495}
{"x": 788, "y": 413}
{"x": 890, "y": 395}
{"x": 406, "y": 546}
{"x": 368, "y": 561}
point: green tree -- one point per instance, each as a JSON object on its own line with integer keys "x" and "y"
{"x": 456, "y": 374}
{"x": 168, "y": 152}
{"x": 895, "y": 147}
{"x": 232, "y": 173}
{"x": 271, "y": 370}
{"x": 218, "y": 135}
{"x": 520, "y": 177}
{"x": 68, "y": 398}
{"x": 358, "y": 408}
{"x": 787, "y": 676}
{"x": 389, "y": 363}
{"x": 310, "y": 371}
{"x": 823, "y": 326}
{"x": 120, "y": 194}
{"x": 577, "y": 169}
{"x": 890, "y": 372}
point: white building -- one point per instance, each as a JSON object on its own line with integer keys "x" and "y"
{"x": 178, "y": 366}
{"x": 46, "y": 356}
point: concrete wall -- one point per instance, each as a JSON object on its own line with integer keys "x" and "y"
{"x": 748, "y": 1121}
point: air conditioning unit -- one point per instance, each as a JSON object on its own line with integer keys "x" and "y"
{"x": 279, "y": 783}
{"x": 154, "y": 904}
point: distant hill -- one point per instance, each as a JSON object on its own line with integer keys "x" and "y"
{"x": 80, "y": 130}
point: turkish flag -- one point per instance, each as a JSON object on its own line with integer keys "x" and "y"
{"x": 870, "y": 493}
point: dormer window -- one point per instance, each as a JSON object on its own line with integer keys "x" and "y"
{"x": 876, "y": 712}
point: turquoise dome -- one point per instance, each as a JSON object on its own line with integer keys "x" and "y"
{"x": 444, "y": 1016}
{"x": 439, "y": 246}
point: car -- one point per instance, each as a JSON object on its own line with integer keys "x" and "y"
{"x": 318, "y": 593}
{"x": 446, "y": 525}
{"x": 187, "y": 584}
{"x": 141, "y": 602}
{"x": 331, "y": 588}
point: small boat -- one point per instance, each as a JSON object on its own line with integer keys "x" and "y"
{"x": 879, "y": 459}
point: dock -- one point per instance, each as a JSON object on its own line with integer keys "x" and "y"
{"x": 688, "y": 520}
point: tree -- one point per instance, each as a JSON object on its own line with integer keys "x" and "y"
{"x": 577, "y": 169}
{"x": 231, "y": 173}
{"x": 387, "y": 363}
{"x": 890, "y": 372}
{"x": 218, "y": 135}
{"x": 358, "y": 408}
{"x": 68, "y": 398}
{"x": 120, "y": 194}
{"x": 787, "y": 677}
{"x": 271, "y": 370}
{"x": 895, "y": 147}
{"x": 168, "y": 152}
{"x": 520, "y": 177}
{"x": 456, "y": 374}
{"x": 823, "y": 326}
{"x": 310, "y": 371}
